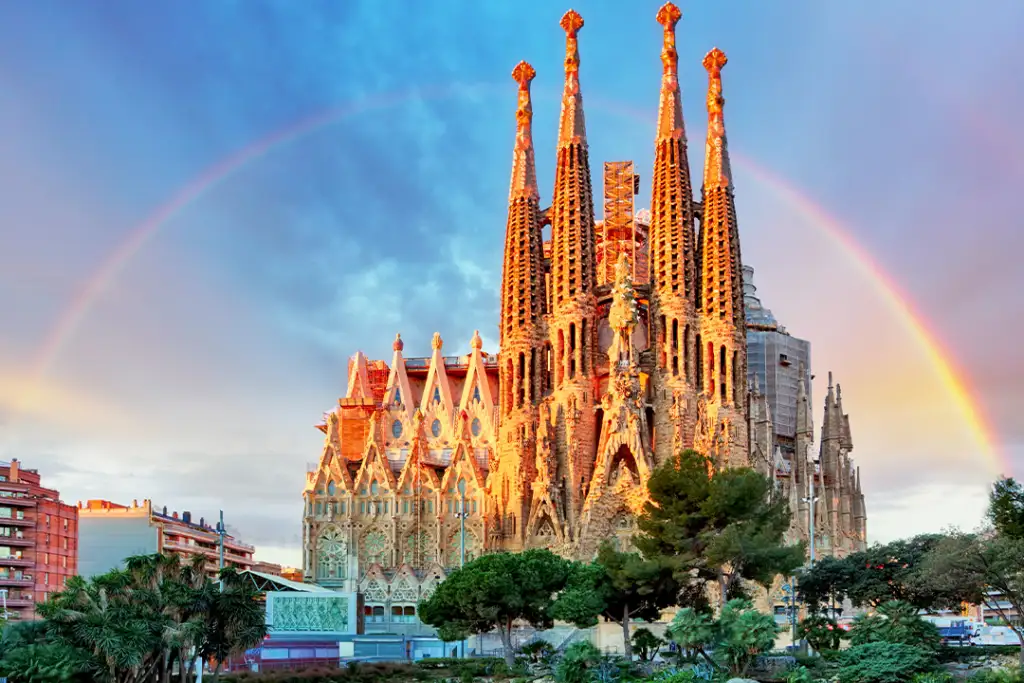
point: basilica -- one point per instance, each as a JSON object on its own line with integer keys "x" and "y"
{"x": 622, "y": 342}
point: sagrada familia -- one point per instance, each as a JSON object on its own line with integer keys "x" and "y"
{"x": 622, "y": 342}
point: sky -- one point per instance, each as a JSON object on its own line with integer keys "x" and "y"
{"x": 206, "y": 208}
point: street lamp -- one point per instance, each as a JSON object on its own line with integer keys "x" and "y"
{"x": 811, "y": 500}
{"x": 461, "y": 514}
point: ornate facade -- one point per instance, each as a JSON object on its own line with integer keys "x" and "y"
{"x": 622, "y": 342}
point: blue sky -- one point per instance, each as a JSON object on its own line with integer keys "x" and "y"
{"x": 195, "y": 378}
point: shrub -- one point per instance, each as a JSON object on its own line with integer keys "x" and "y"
{"x": 646, "y": 644}
{"x": 1010, "y": 675}
{"x": 895, "y": 622}
{"x": 578, "y": 663}
{"x": 537, "y": 650}
{"x": 823, "y": 633}
{"x": 881, "y": 662}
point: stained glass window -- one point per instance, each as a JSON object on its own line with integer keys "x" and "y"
{"x": 476, "y": 393}
{"x": 374, "y": 549}
{"x": 437, "y": 395}
{"x": 435, "y": 428}
{"x": 475, "y": 426}
{"x": 396, "y": 428}
{"x": 331, "y": 554}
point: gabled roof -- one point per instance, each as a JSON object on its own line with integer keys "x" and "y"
{"x": 269, "y": 583}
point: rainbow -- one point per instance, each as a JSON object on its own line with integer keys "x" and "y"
{"x": 99, "y": 281}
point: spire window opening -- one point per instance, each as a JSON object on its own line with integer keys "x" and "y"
{"x": 583, "y": 347}
{"x": 662, "y": 343}
{"x": 521, "y": 391}
{"x": 560, "y": 365}
{"x": 686, "y": 353}
{"x": 723, "y": 374}
{"x": 572, "y": 350}
{"x": 711, "y": 369}
{"x": 737, "y": 378}
{"x": 698, "y": 363}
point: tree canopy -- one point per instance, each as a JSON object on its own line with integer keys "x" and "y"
{"x": 132, "y": 625}
{"x": 877, "y": 575}
{"x": 723, "y": 526}
{"x": 495, "y": 591}
{"x": 619, "y": 587}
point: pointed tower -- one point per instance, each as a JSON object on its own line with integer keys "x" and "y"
{"x": 521, "y": 331}
{"x": 672, "y": 254}
{"x": 801, "y": 468}
{"x": 722, "y": 354}
{"x": 572, "y": 328}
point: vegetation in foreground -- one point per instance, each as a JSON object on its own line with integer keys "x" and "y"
{"x": 135, "y": 626}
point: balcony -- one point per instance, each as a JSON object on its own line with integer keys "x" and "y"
{"x": 16, "y": 501}
{"x": 10, "y": 580}
{"x": 16, "y": 521}
{"x": 20, "y": 542}
{"x": 20, "y": 601}
{"x": 16, "y": 562}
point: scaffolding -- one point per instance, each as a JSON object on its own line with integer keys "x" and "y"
{"x": 618, "y": 232}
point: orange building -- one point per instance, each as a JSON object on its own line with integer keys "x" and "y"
{"x": 110, "y": 532}
{"x": 38, "y": 540}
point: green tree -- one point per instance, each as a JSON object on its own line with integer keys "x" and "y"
{"x": 723, "y": 527}
{"x": 743, "y": 634}
{"x": 694, "y": 632}
{"x": 619, "y": 587}
{"x": 493, "y": 592}
{"x": 137, "y": 622}
{"x": 825, "y": 583}
{"x": 28, "y": 654}
{"x": 985, "y": 569}
{"x": 1006, "y": 508}
{"x": 822, "y": 632}
{"x": 646, "y": 644}
{"x": 736, "y": 638}
{"x": 895, "y": 622}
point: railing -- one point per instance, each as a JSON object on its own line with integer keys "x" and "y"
{"x": 25, "y": 580}
{"x": 16, "y": 561}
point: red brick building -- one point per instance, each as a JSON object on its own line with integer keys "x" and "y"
{"x": 38, "y": 540}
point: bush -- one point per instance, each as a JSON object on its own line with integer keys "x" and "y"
{"x": 881, "y": 662}
{"x": 1011, "y": 675}
{"x": 821, "y": 632}
{"x": 578, "y": 663}
{"x": 895, "y": 622}
{"x": 646, "y": 644}
{"x": 538, "y": 650}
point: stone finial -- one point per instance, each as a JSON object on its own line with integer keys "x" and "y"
{"x": 668, "y": 17}
{"x": 523, "y": 74}
{"x": 571, "y": 22}
{"x": 713, "y": 62}
{"x": 398, "y": 344}
{"x": 477, "y": 343}
{"x": 436, "y": 343}
{"x": 524, "y": 170}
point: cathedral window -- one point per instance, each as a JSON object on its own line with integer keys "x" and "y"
{"x": 330, "y": 488}
{"x": 341, "y": 507}
{"x": 396, "y": 428}
{"x": 405, "y": 507}
{"x": 331, "y": 554}
{"x": 437, "y": 394}
{"x": 362, "y": 507}
{"x": 398, "y": 396}
{"x": 475, "y": 426}
{"x": 373, "y": 549}
{"x": 476, "y": 393}
{"x": 319, "y": 507}
{"x": 374, "y": 488}
{"x": 435, "y": 427}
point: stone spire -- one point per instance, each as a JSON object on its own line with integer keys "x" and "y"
{"x": 524, "y": 165}
{"x": 721, "y": 277}
{"x": 572, "y": 127}
{"x": 572, "y": 209}
{"x": 672, "y": 250}
{"x": 522, "y": 285}
{"x": 723, "y": 348}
